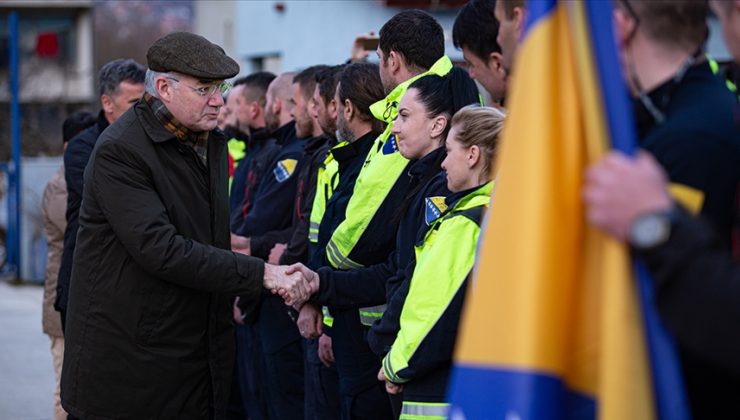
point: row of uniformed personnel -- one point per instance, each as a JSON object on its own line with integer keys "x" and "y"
{"x": 376, "y": 190}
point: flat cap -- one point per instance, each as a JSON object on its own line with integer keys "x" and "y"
{"x": 192, "y": 55}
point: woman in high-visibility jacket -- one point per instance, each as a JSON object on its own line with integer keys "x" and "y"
{"x": 420, "y": 359}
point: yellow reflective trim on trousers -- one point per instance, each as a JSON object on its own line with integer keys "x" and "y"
{"x": 371, "y": 314}
{"x": 418, "y": 410}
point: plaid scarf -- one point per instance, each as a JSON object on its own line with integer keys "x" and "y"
{"x": 195, "y": 140}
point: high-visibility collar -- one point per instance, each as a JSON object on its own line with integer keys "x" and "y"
{"x": 386, "y": 109}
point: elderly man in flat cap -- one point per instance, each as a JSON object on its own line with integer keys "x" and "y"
{"x": 148, "y": 325}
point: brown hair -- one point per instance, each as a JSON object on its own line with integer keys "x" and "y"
{"x": 480, "y": 126}
{"x": 678, "y": 23}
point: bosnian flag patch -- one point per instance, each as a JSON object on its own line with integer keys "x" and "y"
{"x": 284, "y": 169}
{"x": 390, "y": 146}
{"x": 435, "y": 206}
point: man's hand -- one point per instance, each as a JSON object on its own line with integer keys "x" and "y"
{"x": 292, "y": 287}
{"x": 240, "y": 244}
{"x": 238, "y": 314}
{"x": 310, "y": 321}
{"x": 326, "y": 353}
{"x": 311, "y": 276}
{"x": 275, "y": 253}
{"x": 619, "y": 189}
{"x": 390, "y": 387}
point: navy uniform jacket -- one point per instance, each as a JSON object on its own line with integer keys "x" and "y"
{"x": 262, "y": 149}
{"x": 367, "y": 286}
{"x": 270, "y": 207}
{"x": 383, "y": 332}
{"x": 297, "y": 229}
{"x": 346, "y": 291}
{"x": 297, "y": 245}
{"x": 350, "y": 159}
{"x": 699, "y": 146}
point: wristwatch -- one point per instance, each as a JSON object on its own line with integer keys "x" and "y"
{"x": 651, "y": 229}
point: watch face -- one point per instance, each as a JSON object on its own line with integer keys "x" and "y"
{"x": 649, "y": 230}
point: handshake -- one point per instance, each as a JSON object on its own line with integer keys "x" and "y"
{"x": 294, "y": 283}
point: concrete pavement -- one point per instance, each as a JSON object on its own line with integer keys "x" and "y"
{"x": 26, "y": 374}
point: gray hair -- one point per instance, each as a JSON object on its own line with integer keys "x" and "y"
{"x": 150, "y": 85}
{"x": 114, "y": 72}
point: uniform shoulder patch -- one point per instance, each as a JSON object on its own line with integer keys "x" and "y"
{"x": 390, "y": 146}
{"x": 284, "y": 169}
{"x": 435, "y": 206}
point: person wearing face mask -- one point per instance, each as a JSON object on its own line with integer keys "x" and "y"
{"x": 419, "y": 360}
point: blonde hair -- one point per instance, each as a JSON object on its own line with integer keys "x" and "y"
{"x": 480, "y": 126}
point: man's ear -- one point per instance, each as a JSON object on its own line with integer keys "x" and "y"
{"x": 164, "y": 89}
{"x": 106, "y": 103}
{"x": 520, "y": 18}
{"x": 394, "y": 62}
{"x": 332, "y": 108}
{"x": 496, "y": 62}
{"x": 349, "y": 110}
{"x": 253, "y": 110}
{"x": 624, "y": 25}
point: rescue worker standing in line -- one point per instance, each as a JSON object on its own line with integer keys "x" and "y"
{"x": 281, "y": 344}
{"x": 251, "y": 100}
{"x": 249, "y": 113}
{"x": 420, "y": 359}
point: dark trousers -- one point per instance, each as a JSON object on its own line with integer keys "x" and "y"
{"x": 282, "y": 347}
{"x": 322, "y": 386}
{"x": 370, "y": 404}
{"x": 363, "y": 396}
{"x": 250, "y": 373}
{"x": 285, "y": 382}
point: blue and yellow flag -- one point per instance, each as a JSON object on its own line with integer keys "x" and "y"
{"x": 558, "y": 323}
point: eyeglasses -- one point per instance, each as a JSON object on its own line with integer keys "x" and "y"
{"x": 207, "y": 91}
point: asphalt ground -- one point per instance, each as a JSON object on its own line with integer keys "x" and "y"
{"x": 26, "y": 374}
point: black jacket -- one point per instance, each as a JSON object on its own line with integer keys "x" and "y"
{"x": 269, "y": 206}
{"x": 697, "y": 293}
{"x": 261, "y": 151}
{"x": 314, "y": 156}
{"x": 149, "y": 332}
{"x": 383, "y": 332}
{"x": 372, "y": 285}
{"x": 699, "y": 143}
{"x": 346, "y": 291}
{"x": 350, "y": 159}
{"x": 76, "y": 157}
{"x": 699, "y": 146}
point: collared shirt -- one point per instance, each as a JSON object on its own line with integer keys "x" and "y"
{"x": 186, "y": 136}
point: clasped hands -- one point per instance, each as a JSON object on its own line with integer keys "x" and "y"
{"x": 294, "y": 283}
